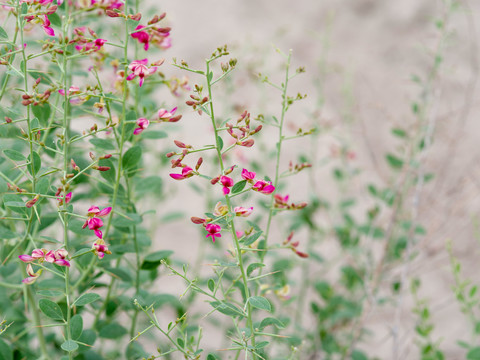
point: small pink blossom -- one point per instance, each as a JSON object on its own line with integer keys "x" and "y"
{"x": 139, "y": 68}
{"x": 142, "y": 125}
{"x": 32, "y": 275}
{"x": 94, "y": 222}
{"x": 247, "y": 175}
{"x": 26, "y": 258}
{"x": 46, "y": 26}
{"x": 68, "y": 198}
{"x": 100, "y": 248}
{"x": 213, "y": 231}
{"x": 165, "y": 114}
{"x": 142, "y": 36}
{"x": 227, "y": 183}
{"x": 264, "y": 187}
{"x": 186, "y": 173}
{"x": 242, "y": 211}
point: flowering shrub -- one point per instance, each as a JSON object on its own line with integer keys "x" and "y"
{"x": 86, "y": 235}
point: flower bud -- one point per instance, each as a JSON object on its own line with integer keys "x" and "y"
{"x": 180, "y": 144}
{"x": 247, "y": 143}
{"x": 170, "y": 154}
{"x": 113, "y": 14}
{"x": 8, "y": 120}
{"x": 91, "y": 156}
{"x": 199, "y": 163}
{"x": 197, "y": 220}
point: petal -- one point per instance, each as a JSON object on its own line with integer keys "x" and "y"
{"x": 26, "y": 258}
{"x": 99, "y": 234}
{"x": 177, "y": 176}
{"x": 105, "y": 211}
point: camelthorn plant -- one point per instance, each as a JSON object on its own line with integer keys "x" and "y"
{"x": 84, "y": 254}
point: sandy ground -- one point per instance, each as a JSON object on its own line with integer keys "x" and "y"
{"x": 360, "y": 56}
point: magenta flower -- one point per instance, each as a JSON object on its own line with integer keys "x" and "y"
{"x": 187, "y": 172}
{"x": 142, "y": 125}
{"x": 100, "y": 248}
{"x": 26, "y": 258}
{"x": 46, "y": 26}
{"x": 57, "y": 257}
{"x": 139, "y": 68}
{"x": 68, "y": 198}
{"x": 142, "y": 36}
{"x": 227, "y": 183}
{"x": 242, "y": 211}
{"x": 264, "y": 187}
{"x": 165, "y": 114}
{"x": 213, "y": 231}
{"x": 32, "y": 275}
{"x": 94, "y": 222}
{"x": 247, "y": 175}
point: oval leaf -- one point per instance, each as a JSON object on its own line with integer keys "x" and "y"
{"x": 86, "y": 299}
{"x": 76, "y": 326}
{"x": 50, "y": 309}
{"x": 260, "y": 303}
{"x": 69, "y": 346}
{"x": 132, "y": 157}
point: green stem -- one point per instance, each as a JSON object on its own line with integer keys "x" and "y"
{"x": 229, "y": 205}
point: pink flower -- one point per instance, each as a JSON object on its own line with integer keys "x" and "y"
{"x": 57, "y": 257}
{"x": 142, "y": 36}
{"x": 227, "y": 183}
{"x": 142, "y": 125}
{"x": 68, "y": 197}
{"x": 265, "y": 187}
{"x": 247, "y": 175}
{"x": 100, "y": 248}
{"x": 26, "y": 258}
{"x": 46, "y": 26}
{"x": 95, "y": 224}
{"x": 213, "y": 231}
{"x": 32, "y": 276}
{"x": 139, "y": 68}
{"x": 242, "y": 211}
{"x": 165, "y": 114}
{"x": 186, "y": 173}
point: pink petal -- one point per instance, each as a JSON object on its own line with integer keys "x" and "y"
{"x": 26, "y": 258}
{"x": 62, "y": 262}
{"x": 98, "y": 233}
{"x": 177, "y": 176}
{"x": 105, "y": 211}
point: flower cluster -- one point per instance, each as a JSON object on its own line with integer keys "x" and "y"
{"x": 139, "y": 68}
{"x": 163, "y": 116}
{"x": 84, "y": 44}
{"x": 58, "y": 257}
{"x": 293, "y": 245}
{"x": 241, "y": 131}
{"x": 281, "y": 202}
{"x": 159, "y": 36}
{"x": 262, "y": 186}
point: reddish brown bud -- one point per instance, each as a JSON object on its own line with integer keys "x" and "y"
{"x": 113, "y": 14}
{"x": 107, "y": 156}
{"x": 8, "y": 120}
{"x": 170, "y": 154}
{"x": 26, "y": 96}
{"x": 197, "y": 220}
{"x": 59, "y": 190}
{"x": 301, "y": 254}
{"x": 102, "y": 168}
{"x": 136, "y": 17}
{"x": 229, "y": 170}
{"x": 301, "y": 205}
{"x": 190, "y": 102}
{"x": 175, "y": 118}
{"x": 215, "y": 180}
{"x": 199, "y": 163}
{"x": 180, "y": 144}
{"x": 205, "y": 99}
{"x": 257, "y": 129}
{"x": 91, "y": 155}
{"x": 51, "y": 9}
{"x": 26, "y": 102}
{"x": 247, "y": 143}
{"x": 158, "y": 62}
{"x": 154, "y": 20}
{"x": 32, "y": 202}
{"x": 69, "y": 176}
{"x": 176, "y": 163}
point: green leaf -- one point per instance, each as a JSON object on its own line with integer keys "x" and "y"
{"x": 6, "y": 352}
{"x": 154, "y": 134}
{"x": 69, "y": 346}
{"x": 103, "y": 144}
{"x": 394, "y": 161}
{"x": 212, "y": 357}
{"x": 239, "y": 186}
{"x": 252, "y": 238}
{"x": 358, "y": 355}
{"x": 112, "y": 331}
{"x": 37, "y": 163}
{"x": 153, "y": 260}
{"x": 129, "y": 219}
{"x": 227, "y": 308}
{"x": 261, "y": 344}
{"x": 132, "y": 157}
{"x": 86, "y": 299}
{"x": 42, "y": 112}
{"x": 55, "y": 20}
{"x": 135, "y": 351}
{"x": 210, "y": 76}
{"x": 38, "y": 74}
{"x": 271, "y": 321}
{"x": 50, "y": 309}
{"x": 76, "y": 326}
{"x": 158, "y": 255}
{"x": 260, "y": 302}
{"x": 211, "y": 285}
{"x": 3, "y": 33}
{"x": 399, "y": 132}
{"x": 14, "y": 155}
{"x": 220, "y": 143}
{"x": 253, "y": 266}
{"x": 121, "y": 274}
{"x": 474, "y": 354}
{"x": 49, "y": 293}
